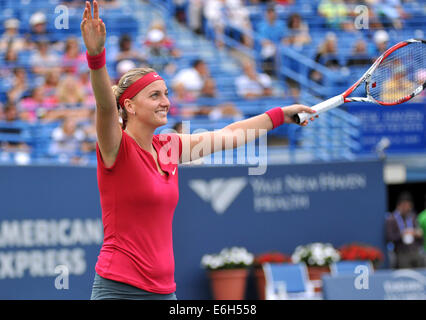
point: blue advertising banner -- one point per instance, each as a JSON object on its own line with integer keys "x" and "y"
{"x": 286, "y": 207}
{"x": 51, "y": 228}
{"x": 404, "y": 125}
{"x": 404, "y": 284}
{"x": 50, "y": 232}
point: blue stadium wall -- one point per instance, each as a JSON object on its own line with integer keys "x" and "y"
{"x": 50, "y": 217}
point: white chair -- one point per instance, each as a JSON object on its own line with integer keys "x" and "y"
{"x": 288, "y": 281}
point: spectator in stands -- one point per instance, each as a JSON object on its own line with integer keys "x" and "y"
{"x": 193, "y": 78}
{"x": 271, "y": 32}
{"x": 70, "y": 92}
{"x": 216, "y": 14}
{"x": 239, "y": 20}
{"x": 180, "y": 8}
{"x": 73, "y": 57}
{"x": 209, "y": 89}
{"x": 20, "y": 85}
{"x": 381, "y": 43}
{"x": 225, "y": 110}
{"x": 161, "y": 51}
{"x": 51, "y": 81}
{"x": 38, "y": 28}
{"x": 37, "y": 105}
{"x": 391, "y": 13}
{"x": 335, "y": 12}
{"x": 421, "y": 220}
{"x": 326, "y": 55}
{"x": 11, "y": 36}
{"x": 66, "y": 140}
{"x": 298, "y": 32}
{"x": 327, "y": 52}
{"x": 166, "y": 41}
{"x": 398, "y": 85}
{"x": 123, "y": 66}
{"x": 10, "y": 56}
{"x": 297, "y": 38}
{"x": 211, "y": 105}
{"x": 11, "y": 115}
{"x": 403, "y": 231}
{"x": 359, "y": 55}
{"x": 185, "y": 104}
{"x": 182, "y": 101}
{"x": 10, "y": 112}
{"x": 10, "y": 62}
{"x": 251, "y": 84}
{"x": 43, "y": 60}
{"x": 195, "y": 15}
{"x": 127, "y": 52}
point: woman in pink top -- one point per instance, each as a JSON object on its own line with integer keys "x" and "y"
{"x": 138, "y": 173}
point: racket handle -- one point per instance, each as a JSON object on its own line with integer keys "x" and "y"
{"x": 320, "y": 107}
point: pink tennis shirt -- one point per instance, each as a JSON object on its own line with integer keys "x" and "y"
{"x": 138, "y": 204}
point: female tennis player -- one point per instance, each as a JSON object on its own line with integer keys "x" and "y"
{"x": 137, "y": 172}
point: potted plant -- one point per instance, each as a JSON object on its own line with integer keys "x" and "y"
{"x": 259, "y": 260}
{"x": 360, "y": 251}
{"x": 317, "y": 257}
{"x": 228, "y": 271}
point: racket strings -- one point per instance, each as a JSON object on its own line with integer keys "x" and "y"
{"x": 400, "y": 74}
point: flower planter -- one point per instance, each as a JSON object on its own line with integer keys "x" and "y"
{"x": 228, "y": 284}
{"x": 315, "y": 274}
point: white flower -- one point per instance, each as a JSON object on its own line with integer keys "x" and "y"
{"x": 316, "y": 253}
{"x": 228, "y": 256}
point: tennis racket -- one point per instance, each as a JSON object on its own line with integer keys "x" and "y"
{"x": 397, "y": 76}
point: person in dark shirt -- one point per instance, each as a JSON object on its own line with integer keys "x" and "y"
{"x": 359, "y": 55}
{"x": 403, "y": 231}
{"x": 11, "y": 116}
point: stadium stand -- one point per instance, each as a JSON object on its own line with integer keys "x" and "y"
{"x": 302, "y": 71}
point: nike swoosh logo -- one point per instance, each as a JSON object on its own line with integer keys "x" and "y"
{"x": 156, "y": 75}
{"x": 174, "y": 171}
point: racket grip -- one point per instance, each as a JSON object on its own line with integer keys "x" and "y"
{"x": 320, "y": 107}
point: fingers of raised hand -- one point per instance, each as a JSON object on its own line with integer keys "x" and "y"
{"x": 95, "y": 10}
{"x": 88, "y": 11}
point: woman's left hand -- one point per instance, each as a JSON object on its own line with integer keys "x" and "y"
{"x": 290, "y": 111}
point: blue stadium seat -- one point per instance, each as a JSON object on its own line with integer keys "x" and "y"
{"x": 287, "y": 281}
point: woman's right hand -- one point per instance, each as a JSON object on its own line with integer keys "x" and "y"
{"x": 93, "y": 29}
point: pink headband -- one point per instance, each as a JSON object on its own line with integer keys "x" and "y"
{"x": 134, "y": 88}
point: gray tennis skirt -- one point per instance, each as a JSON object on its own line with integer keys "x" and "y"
{"x": 105, "y": 289}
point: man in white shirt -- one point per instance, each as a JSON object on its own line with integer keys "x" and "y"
{"x": 252, "y": 84}
{"x": 193, "y": 78}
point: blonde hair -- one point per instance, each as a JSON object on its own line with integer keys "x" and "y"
{"x": 125, "y": 81}
{"x": 70, "y": 91}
